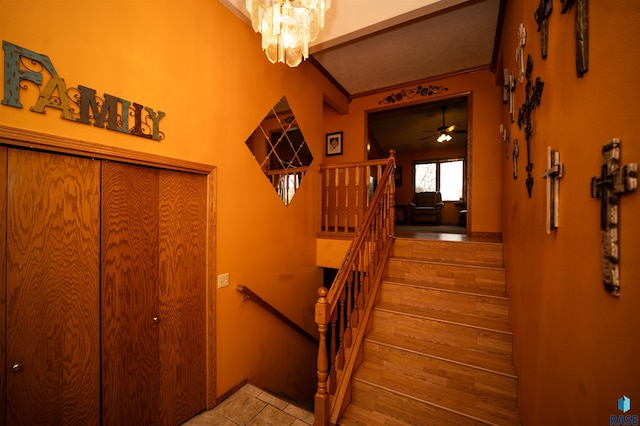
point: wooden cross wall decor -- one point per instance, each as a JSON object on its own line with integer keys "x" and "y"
{"x": 541, "y": 15}
{"x": 555, "y": 171}
{"x": 582, "y": 33}
{"x": 533, "y": 94}
{"x": 612, "y": 182}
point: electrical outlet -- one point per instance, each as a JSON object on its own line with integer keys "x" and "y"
{"x": 223, "y": 280}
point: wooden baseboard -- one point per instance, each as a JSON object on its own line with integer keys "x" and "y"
{"x": 231, "y": 391}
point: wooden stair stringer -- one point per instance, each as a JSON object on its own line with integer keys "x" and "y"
{"x": 342, "y": 395}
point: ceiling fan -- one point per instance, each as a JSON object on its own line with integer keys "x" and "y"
{"x": 443, "y": 133}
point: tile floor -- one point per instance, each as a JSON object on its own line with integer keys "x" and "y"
{"x": 252, "y": 406}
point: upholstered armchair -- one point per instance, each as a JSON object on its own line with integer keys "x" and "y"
{"x": 426, "y": 207}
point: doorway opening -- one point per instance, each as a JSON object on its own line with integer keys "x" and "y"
{"x": 432, "y": 142}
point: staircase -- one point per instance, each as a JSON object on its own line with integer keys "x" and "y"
{"x": 439, "y": 350}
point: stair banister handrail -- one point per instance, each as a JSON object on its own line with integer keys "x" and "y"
{"x": 382, "y": 161}
{"x": 361, "y": 268}
{"x": 251, "y": 295}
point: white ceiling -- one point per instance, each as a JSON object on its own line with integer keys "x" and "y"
{"x": 371, "y": 45}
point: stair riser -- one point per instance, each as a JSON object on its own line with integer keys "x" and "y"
{"x": 488, "y": 342}
{"x": 492, "y": 279}
{"x": 486, "y": 307}
{"x": 450, "y": 251}
{"x": 424, "y": 369}
{"x": 405, "y": 409}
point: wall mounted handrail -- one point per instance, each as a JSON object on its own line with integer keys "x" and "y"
{"x": 251, "y": 295}
{"x": 341, "y": 311}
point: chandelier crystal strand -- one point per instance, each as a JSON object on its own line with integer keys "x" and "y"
{"x": 287, "y": 27}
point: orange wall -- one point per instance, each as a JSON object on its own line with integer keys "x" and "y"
{"x": 576, "y": 347}
{"x": 486, "y": 142}
{"x": 204, "y": 68}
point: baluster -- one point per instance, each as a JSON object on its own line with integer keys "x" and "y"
{"x": 357, "y": 199}
{"x": 327, "y": 178}
{"x": 346, "y": 199}
{"x": 349, "y": 293}
{"x": 333, "y": 350}
{"x": 355, "y": 317}
{"x": 321, "y": 402}
{"x": 341, "y": 328}
{"x": 367, "y": 185}
{"x": 337, "y": 185}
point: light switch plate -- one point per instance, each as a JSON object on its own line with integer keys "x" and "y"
{"x": 223, "y": 280}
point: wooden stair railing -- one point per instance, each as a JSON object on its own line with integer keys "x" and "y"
{"x": 346, "y": 194}
{"x": 342, "y": 310}
{"x": 251, "y": 295}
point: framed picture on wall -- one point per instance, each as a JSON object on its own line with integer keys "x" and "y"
{"x": 334, "y": 143}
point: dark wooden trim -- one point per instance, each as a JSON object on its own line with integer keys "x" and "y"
{"x": 332, "y": 235}
{"x": 482, "y": 235}
{"x": 231, "y": 391}
{"x": 251, "y": 295}
{"x": 496, "y": 41}
{"x": 212, "y": 220}
{"x": 12, "y": 136}
{"x": 328, "y": 76}
{"x": 424, "y": 81}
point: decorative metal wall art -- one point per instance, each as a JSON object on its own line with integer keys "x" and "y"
{"x": 81, "y": 105}
{"x": 533, "y": 94}
{"x": 608, "y": 186}
{"x": 553, "y": 174}
{"x": 541, "y": 15}
{"x": 411, "y": 93}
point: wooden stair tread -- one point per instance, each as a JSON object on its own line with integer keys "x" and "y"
{"x": 443, "y": 316}
{"x": 464, "y": 356}
{"x": 470, "y": 266}
{"x": 455, "y": 288}
{"x": 467, "y": 403}
{"x": 460, "y": 252}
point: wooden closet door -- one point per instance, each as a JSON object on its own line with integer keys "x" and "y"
{"x": 183, "y": 199}
{"x": 53, "y": 289}
{"x": 130, "y": 333}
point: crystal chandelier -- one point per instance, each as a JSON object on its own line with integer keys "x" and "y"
{"x": 287, "y": 27}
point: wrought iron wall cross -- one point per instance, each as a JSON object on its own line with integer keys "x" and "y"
{"x": 533, "y": 94}
{"x": 612, "y": 182}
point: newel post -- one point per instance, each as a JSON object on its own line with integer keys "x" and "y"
{"x": 321, "y": 404}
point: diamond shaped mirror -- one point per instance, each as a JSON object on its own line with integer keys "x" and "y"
{"x": 280, "y": 150}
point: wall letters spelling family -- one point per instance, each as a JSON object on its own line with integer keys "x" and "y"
{"x": 76, "y": 104}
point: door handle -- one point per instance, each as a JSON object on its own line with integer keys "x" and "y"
{"x": 16, "y": 367}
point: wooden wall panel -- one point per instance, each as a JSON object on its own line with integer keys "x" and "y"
{"x": 53, "y": 289}
{"x": 183, "y": 199}
{"x": 130, "y": 339}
